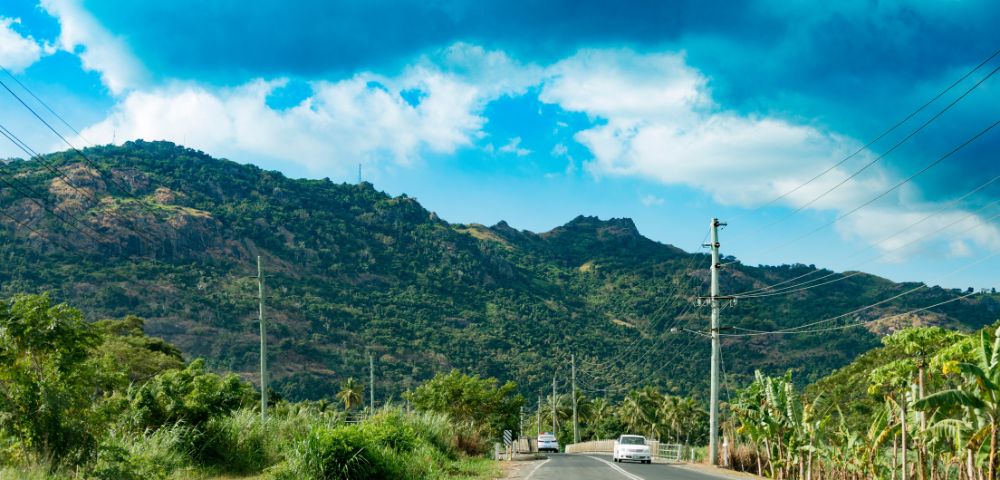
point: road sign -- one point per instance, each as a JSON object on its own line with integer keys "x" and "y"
{"x": 507, "y": 437}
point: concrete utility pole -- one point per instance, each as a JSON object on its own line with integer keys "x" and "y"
{"x": 576, "y": 433}
{"x": 263, "y": 342}
{"x": 538, "y": 415}
{"x": 553, "y": 404}
{"x": 714, "y": 407}
{"x": 520, "y": 417}
{"x": 371, "y": 381}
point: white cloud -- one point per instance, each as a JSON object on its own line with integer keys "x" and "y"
{"x": 81, "y": 34}
{"x": 659, "y": 122}
{"x": 651, "y": 200}
{"x": 920, "y": 229}
{"x": 17, "y": 52}
{"x": 514, "y": 146}
{"x": 493, "y": 71}
{"x": 363, "y": 118}
{"x": 656, "y": 120}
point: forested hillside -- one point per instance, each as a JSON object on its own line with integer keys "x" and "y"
{"x": 172, "y": 235}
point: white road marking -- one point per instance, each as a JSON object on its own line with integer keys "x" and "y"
{"x": 536, "y": 469}
{"x": 620, "y": 470}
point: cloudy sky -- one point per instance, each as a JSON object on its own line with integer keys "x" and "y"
{"x": 532, "y": 112}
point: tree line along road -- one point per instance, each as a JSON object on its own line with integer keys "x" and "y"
{"x": 600, "y": 467}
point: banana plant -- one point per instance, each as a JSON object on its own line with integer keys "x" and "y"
{"x": 980, "y": 393}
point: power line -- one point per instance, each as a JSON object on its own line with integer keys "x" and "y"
{"x": 799, "y": 329}
{"x": 20, "y": 224}
{"x": 121, "y": 187}
{"x": 876, "y": 159}
{"x": 42, "y": 102}
{"x": 879, "y": 137}
{"x": 111, "y": 180}
{"x": 883, "y": 194}
{"x": 801, "y": 287}
{"x": 656, "y": 316}
{"x": 622, "y": 386}
{"x": 32, "y": 154}
{"x": 851, "y": 325}
{"x": 941, "y": 209}
{"x": 29, "y": 194}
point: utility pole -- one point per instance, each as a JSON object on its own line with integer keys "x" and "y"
{"x": 553, "y": 404}
{"x": 713, "y": 299}
{"x": 538, "y": 417}
{"x": 371, "y": 381}
{"x": 520, "y": 417}
{"x": 576, "y": 433}
{"x": 263, "y": 342}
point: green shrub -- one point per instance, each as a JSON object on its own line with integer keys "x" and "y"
{"x": 338, "y": 453}
{"x": 47, "y": 382}
{"x": 480, "y": 404}
{"x": 191, "y": 396}
{"x": 391, "y": 444}
{"x": 114, "y": 462}
{"x": 390, "y": 429}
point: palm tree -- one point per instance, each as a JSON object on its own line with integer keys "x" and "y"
{"x": 351, "y": 392}
{"x": 599, "y": 409}
{"x": 980, "y": 393}
{"x": 563, "y": 408}
{"x": 669, "y": 418}
{"x": 584, "y": 406}
{"x": 631, "y": 411}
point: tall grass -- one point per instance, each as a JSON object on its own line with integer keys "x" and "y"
{"x": 389, "y": 445}
{"x": 296, "y": 442}
{"x": 238, "y": 443}
{"x": 153, "y": 455}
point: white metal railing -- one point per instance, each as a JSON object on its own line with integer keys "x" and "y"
{"x": 593, "y": 446}
{"x": 671, "y": 452}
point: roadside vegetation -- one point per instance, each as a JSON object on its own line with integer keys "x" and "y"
{"x": 926, "y": 405}
{"x": 102, "y": 400}
{"x": 644, "y": 411}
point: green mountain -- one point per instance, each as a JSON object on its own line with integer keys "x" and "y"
{"x": 172, "y": 235}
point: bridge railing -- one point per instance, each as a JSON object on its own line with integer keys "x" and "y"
{"x": 594, "y": 446}
{"x": 670, "y": 452}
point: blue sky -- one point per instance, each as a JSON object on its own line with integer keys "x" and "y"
{"x": 534, "y": 112}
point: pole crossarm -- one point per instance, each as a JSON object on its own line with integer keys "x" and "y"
{"x": 706, "y": 301}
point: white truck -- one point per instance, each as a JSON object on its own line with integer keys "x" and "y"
{"x": 631, "y": 448}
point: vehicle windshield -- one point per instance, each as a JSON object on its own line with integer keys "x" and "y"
{"x": 547, "y": 438}
{"x": 631, "y": 440}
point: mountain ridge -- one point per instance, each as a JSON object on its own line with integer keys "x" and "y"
{"x": 354, "y": 270}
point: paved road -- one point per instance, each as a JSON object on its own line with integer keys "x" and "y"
{"x": 600, "y": 467}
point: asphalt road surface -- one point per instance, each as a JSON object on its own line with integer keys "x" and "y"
{"x": 600, "y": 467}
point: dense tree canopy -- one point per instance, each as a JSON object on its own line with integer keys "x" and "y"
{"x": 481, "y": 402}
{"x": 352, "y": 268}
